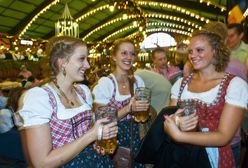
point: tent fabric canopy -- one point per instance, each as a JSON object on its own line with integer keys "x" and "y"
{"x": 36, "y": 18}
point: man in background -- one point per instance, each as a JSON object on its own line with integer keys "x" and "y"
{"x": 239, "y": 50}
{"x": 160, "y": 65}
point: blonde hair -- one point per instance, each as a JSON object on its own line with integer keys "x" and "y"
{"x": 61, "y": 47}
{"x": 221, "y": 54}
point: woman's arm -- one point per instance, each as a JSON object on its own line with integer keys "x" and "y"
{"x": 38, "y": 149}
{"x": 173, "y": 102}
{"x": 229, "y": 123}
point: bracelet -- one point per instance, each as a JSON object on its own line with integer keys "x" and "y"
{"x": 177, "y": 119}
{"x": 99, "y": 132}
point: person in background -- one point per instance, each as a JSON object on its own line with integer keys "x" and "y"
{"x": 10, "y": 140}
{"x": 181, "y": 55}
{"x": 2, "y": 54}
{"x": 115, "y": 91}
{"x": 239, "y": 50}
{"x": 160, "y": 64}
{"x": 56, "y": 118}
{"x": 221, "y": 100}
{"x": 160, "y": 88}
{"x": 25, "y": 72}
{"x": 3, "y": 99}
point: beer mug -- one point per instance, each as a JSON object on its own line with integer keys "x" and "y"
{"x": 189, "y": 106}
{"x": 142, "y": 93}
{"x": 109, "y": 145}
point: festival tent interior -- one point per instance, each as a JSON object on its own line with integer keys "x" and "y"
{"x": 25, "y": 25}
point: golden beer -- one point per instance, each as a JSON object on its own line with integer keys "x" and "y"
{"x": 142, "y": 94}
{"x": 141, "y": 116}
{"x": 109, "y": 145}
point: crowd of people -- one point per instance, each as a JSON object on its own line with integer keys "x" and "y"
{"x": 56, "y": 122}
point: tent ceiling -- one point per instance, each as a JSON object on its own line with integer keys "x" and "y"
{"x": 15, "y": 15}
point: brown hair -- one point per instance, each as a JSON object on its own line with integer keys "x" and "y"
{"x": 218, "y": 28}
{"x": 157, "y": 50}
{"x": 221, "y": 54}
{"x": 61, "y": 47}
{"x": 238, "y": 27}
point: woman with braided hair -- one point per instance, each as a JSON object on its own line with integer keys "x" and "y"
{"x": 56, "y": 118}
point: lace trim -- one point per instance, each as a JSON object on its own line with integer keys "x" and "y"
{"x": 200, "y": 102}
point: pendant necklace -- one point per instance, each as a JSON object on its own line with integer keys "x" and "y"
{"x": 61, "y": 93}
{"x": 123, "y": 86}
{"x": 123, "y": 82}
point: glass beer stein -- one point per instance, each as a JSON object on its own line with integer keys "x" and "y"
{"x": 109, "y": 145}
{"x": 189, "y": 106}
{"x": 142, "y": 93}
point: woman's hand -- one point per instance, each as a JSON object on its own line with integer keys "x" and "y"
{"x": 104, "y": 131}
{"x": 185, "y": 123}
{"x": 188, "y": 123}
{"x": 97, "y": 128}
{"x": 171, "y": 128}
{"x": 139, "y": 105}
{"x": 110, "y": 130}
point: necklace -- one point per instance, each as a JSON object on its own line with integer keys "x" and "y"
{"x": 123, "y": 81}
{"x": 123, "y": 86}
{"x": 61, "y": 93}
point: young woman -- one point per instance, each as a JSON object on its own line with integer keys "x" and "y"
{"x": 115, "y": 91}
{"x": 56, "y": 118}
{"x": 221, "y": 100}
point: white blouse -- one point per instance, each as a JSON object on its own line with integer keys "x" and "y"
{"x": 237, "y": 93}
{"x": 37, "y": 110}
{"x": 104, "y": 89}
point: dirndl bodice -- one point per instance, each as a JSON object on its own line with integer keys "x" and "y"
{"x": 209, "y": 117}
{"x": 68, "y": 130}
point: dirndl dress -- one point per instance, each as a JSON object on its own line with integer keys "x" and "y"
{"x": 68, "y": 130}
{"x": 209, "y": 117}
{"x": 124, "y": 134}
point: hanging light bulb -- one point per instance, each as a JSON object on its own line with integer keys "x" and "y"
{"x": 66, "y": 24}
{"x": 111, "y": 8}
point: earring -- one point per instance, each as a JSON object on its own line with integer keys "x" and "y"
{"x": 64, "y": 72}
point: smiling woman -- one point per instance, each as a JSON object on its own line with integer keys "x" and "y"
{"x": 56, "y": 118}
{"x": 221, "y": 100}
{"x": 117, "y": 90}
